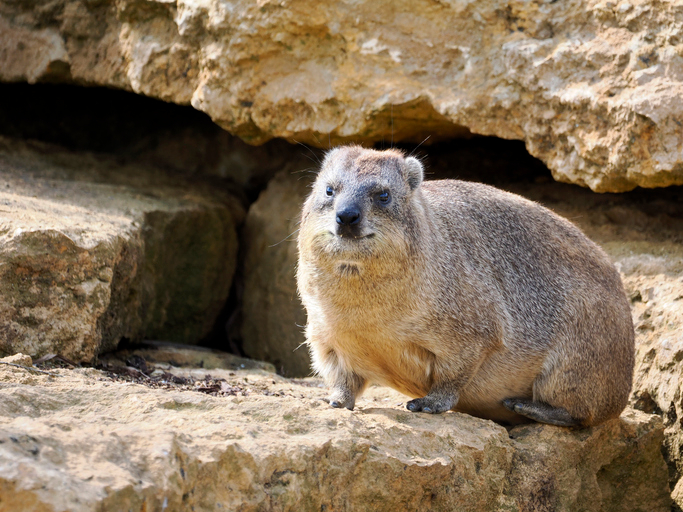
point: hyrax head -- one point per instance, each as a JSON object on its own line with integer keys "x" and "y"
{"x": 361, "y": 198}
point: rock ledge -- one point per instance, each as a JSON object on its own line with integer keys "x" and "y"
{"x": 79, "y": 441}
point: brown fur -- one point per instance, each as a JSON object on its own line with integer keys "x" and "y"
{"x": 460, "y": 295}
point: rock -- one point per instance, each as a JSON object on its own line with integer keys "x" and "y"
{"x": 81, "y": 441}
{"x": 92, "y": 252}
{"x": 169, "y": 356}
{"x": 657, "y": 296}
{"x": 591, "y": 86}
{"x": 274, "y": 318}
{"x": 20, "y": 359}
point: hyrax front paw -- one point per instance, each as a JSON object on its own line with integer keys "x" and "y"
{"x": 342, "y": 398}
{"x": 431, "y": 404}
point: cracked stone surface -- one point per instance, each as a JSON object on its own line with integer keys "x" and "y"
{"x": 273, "y": 316}
{"x": 81, "y": 441}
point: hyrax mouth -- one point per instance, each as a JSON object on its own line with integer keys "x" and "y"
{"x": 345, "y": 249}
{"x": 348, "y": 236}
{"x": 348, "y": 269}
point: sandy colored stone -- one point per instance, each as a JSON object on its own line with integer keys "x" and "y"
{"x": 91, "y": 252}
{"x": 591, "y": 86}
{"x": 20, "y": 359}
{"x": 81, "y": 442}
{"x": 171, "y": 356}
{"x": 657, "y": 298}
{"x": 274, "y": 318}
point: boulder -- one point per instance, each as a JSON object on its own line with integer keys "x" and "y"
{"x": 591, "y": 86}
{"x": 79, "y": 440}
{"x": 655, "y": 285}
{"x": 92, "y": 252}
{"x": 273, "y": 317}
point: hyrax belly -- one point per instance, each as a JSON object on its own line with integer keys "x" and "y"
{"x": 399, "y": 364}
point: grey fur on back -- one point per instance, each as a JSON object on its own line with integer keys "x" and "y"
{"x": 555, "y": 293}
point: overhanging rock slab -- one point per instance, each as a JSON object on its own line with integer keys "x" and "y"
{"x": 591, "y": 86}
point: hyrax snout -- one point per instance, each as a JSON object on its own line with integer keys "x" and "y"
{"x": 348, "y": 219}
{"x": 459, "y": 295}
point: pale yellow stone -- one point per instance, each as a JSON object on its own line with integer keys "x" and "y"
{"x": 81, "y": 442}
{"x": 593, "y": 88}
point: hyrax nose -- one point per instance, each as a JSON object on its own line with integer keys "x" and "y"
{"x": 349, "y": 216}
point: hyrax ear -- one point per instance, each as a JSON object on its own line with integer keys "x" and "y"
{"x": 415, "y": 172}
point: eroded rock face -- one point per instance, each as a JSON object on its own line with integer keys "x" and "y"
{"x": 591, "y": 86}
{"x": 79, "y": 441}
{"x": 92, "y": 252}
{"x": 273, "y": 315}
{"x": 657, "y": 296}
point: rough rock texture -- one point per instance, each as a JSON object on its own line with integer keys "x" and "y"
{"x": 273, "y": 315}
{"x": 591, "y": 86}
{"x": 91, "y": 251}
{"x": 656, "y": 288}
{"x": 79, "y": 441}
{"x": 173, "y": 357}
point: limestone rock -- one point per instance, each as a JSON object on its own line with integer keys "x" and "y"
{"x": 19, "y": 358}
{"x": 657, "y": 297}
{"x": 591, "y": 86}
{"x": 273, "y": 315}
{"x": 171, "y": 356}
{"x": 79, "y": 441}
{"x": 91, "y": 252}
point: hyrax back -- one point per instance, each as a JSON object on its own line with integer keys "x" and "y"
{"x": 460, "y": 295}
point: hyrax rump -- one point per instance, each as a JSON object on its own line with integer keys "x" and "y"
{"x": 460, "y": 295}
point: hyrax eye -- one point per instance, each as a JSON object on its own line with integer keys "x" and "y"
{"x": 329, "y": 191}
{"x": 384, "y": 197}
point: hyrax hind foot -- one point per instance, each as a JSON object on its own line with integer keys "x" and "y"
{"x": 433, "y": 403}
{"x": 541, "y": 412}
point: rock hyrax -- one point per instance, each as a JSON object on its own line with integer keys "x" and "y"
{"x": 460, "y": 295}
